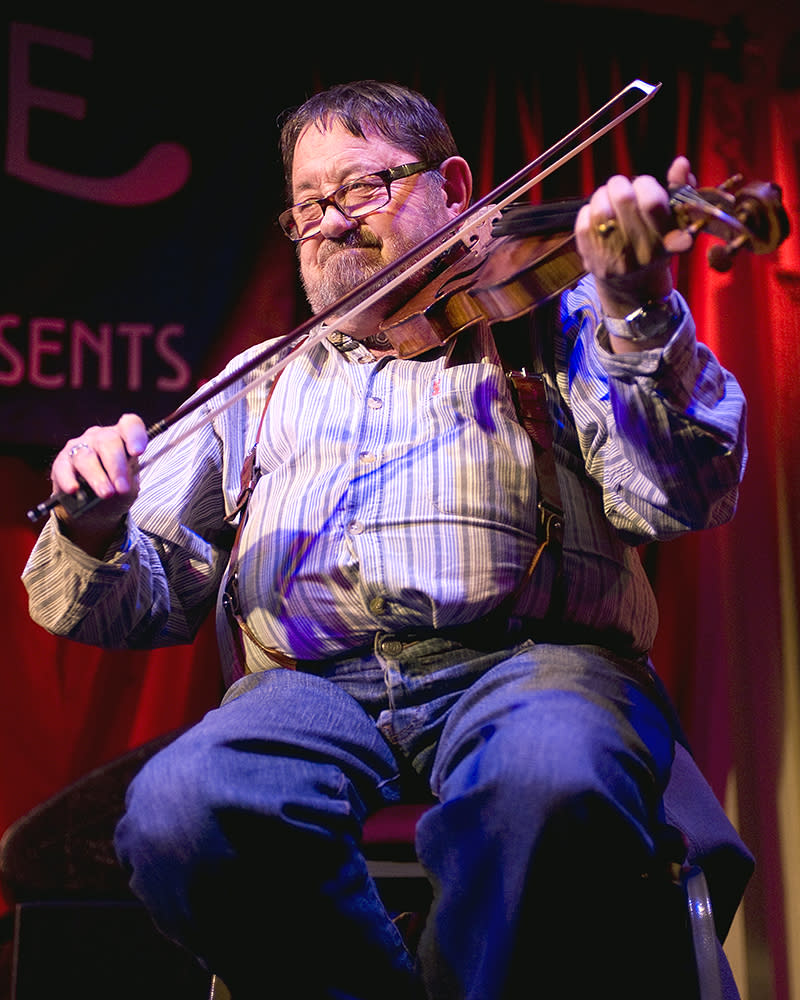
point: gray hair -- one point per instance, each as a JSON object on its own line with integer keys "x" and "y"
{"x": 399, "y": 114}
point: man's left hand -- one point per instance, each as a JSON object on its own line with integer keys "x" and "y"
{"x": 619, "y": 235}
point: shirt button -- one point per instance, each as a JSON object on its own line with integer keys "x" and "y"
{"x": 366, "y": 457}
{"x": 378, "y": 605}
{"x": 355, "y": 527}
{"x": 374, "y": 402}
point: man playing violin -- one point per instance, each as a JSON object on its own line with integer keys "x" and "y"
{"x": 390, "y": 615}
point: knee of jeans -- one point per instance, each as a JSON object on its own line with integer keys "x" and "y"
{"x": 597, "y": 801}
{"x": 203, "y": 799}
{"x": 166, "y": 809}
{"x": 558, "y": 765}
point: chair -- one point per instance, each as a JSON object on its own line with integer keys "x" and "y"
{"x": 75, "y": 919}
{"x": 392, "y": 862}
{"x": 72, "y": 902}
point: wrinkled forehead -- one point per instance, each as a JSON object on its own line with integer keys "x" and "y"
{"x": 331, "y": 151}
{"x": 332, "y": 120}
{"x": 334, "y": 129}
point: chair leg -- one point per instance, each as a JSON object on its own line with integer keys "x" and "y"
{"x": 703, "y": 932}
{"x": 219, "y": 991}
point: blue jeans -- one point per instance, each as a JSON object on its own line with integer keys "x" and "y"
{"x": 548, "y": 763}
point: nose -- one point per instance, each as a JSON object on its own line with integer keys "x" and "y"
{"x": 334, "y": 223}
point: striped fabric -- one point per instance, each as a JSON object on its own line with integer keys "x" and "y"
{"x": 402, "y": 493}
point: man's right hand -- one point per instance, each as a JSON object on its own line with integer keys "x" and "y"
{"x": 107, "y": 459}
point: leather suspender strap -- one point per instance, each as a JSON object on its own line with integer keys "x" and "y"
{"x": 522, "y": 345}
{"x": 528, "y": 392}
{"x": 531, "y": 403}
{"x": 249, "y": 476}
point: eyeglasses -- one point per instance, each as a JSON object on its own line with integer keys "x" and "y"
{"x": 355, "y": 198}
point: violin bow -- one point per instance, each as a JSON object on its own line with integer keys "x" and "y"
{"x": 367, "y": 294}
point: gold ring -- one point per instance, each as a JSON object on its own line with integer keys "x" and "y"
{"x": 606, "y": 228}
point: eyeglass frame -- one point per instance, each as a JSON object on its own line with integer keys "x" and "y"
{"x": 388, "y": 175}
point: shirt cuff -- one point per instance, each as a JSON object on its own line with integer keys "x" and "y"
{"x": 675, "y": 353}
{"x": 114, "y": 554}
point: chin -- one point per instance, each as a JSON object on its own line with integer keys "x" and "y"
{"x": 338, "y": 276}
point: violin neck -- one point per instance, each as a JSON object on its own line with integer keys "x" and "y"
{"x": 539, "y": 220}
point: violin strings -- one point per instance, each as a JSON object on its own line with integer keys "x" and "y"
{"x": 691, "y": 197}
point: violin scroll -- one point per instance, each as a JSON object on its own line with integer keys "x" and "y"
{"x": 743, "y": 215}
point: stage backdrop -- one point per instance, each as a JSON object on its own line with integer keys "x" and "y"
{"x": 140, "y": 253}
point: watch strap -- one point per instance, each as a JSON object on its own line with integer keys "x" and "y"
{"x": 656, "y": 318}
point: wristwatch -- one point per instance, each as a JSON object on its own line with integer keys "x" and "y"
{"x": 656, "y": 318}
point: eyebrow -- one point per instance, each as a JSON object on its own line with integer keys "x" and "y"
{"x": 302, "y": 192}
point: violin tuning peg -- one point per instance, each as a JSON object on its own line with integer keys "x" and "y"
{"x": 733, "y": 182}
{"x": 678, "y": 241}
{"x": 720, "y": 257}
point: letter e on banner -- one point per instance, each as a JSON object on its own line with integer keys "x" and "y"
{"x": 161, "y": 172}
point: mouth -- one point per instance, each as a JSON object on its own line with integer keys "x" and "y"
{"x": 350, "y": 241}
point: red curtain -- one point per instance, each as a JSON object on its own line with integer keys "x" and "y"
{"x": 728, "y": 598}
{"x": 728, "y": 641}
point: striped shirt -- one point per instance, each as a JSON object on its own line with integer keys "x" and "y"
{"x": 402, "y": 494}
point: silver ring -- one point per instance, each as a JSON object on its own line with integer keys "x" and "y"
{"x": 606, "y": 228}
{"x": 79, "y": 447}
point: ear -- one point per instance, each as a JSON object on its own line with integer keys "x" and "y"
{"x": 457, "y": 184}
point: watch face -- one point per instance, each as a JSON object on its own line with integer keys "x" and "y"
{"x": 650, "y": 321}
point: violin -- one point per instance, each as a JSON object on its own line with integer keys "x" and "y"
{"x": 526, "y": 255}
{"x": 500, "y": 260}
